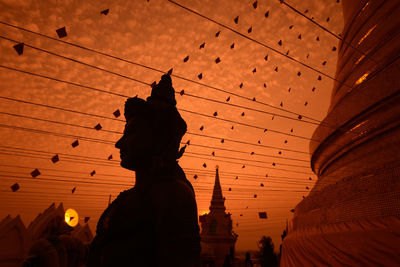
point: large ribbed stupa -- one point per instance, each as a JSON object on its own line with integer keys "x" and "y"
{"x": 352, "y": 215}
{"x": 217, "y": 238}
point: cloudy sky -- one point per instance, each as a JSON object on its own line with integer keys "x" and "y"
{"x": 55, "y": 93}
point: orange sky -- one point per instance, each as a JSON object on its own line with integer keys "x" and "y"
{"x": 159, "y": 34}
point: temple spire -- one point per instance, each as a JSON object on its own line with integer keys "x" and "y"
{"x": 217, "y": 201}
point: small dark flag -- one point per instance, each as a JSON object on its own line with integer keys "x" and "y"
{"x": 217, "y": 60}
{"x": 188, "y": 142}
{"x": 35, "y": 173}
{"x": 252, "y": 153}
{"x": 255, "y": 195}
{"x": 305, "y": 12}
{"x": 308, "y": 55}
{"x": 262, "y": 215}
{"x": 15, "y": 187}
{"x": 195, "y": 176}
{"x": 105, "y": 12}
{"x": 204, "y": 165}
{"x": 241, "y": 85}
{"x": 317, "y": 38}
{"x": 281, "y": 104}
{"x": 255, "y": 4}
{"x": 98, "y": 127}
{"x": 236, "y": 20}
{"x": 324, "y": 63}
{"x": 19, "y": 48}
{"x": 291, "y": 27}
{"x": 218, "y": 33}
{"x": 273, "y": 117}
{"x": 250, "y": 30}
{"x": 93, "y": 173}
{"x": 201, "y": 128}
{"x": 289, "y": 89}
{"x": 254, "y": 70}
{"x": 232, "y": 45}
{"x": 306, "y": 103}
{"x": 334, "y": 48}
{"x": 280, "y": 42}
{"x": 313, "y": 89}
{"x": 215, "y": 113}
{"x": 237, "y": 177}
{"x": 280, "y": 152}
{"x": 307, "y": 187}
{"x": 55, "y": 158}
{"x": 292, "y": 210}
{"x": 265, "y": 85}
{"x": 202, "y": 45}
{"x": 266, "y": 14}
{"x": 75, "y": 143}
{"x": 254, "y": 99}
{"x": 327, "y": 19}
{"x": 61, "y": 32}
{"x": 222, "y": 140}
{"x": 117, "y": 113}
{"x": 300, "y": 117}
{"x": 73, "y": 190}
{"x": 243, "y": 166}
{"x": 265, "y": 130}
{"x": 285, "y": 141}
{"x": 266, "y": 57}
{"x": 291, "y": 130}
{"x": 229, "y": 189}
{"x": 229, "y": 98}
{"x": 262, "y": 185}
{"x": 232, "y": 127}
{"x": 276, "y": 69}
{"x": 109, "y": 157}
{"x": 273, "y": 164}
{"x": 87, "y": 219}
{"x": 242, "y": 114}
{"x": 186, "y": 59}
{"x": 182, "y": 92}
{"x": 200, "y": 76}
{"x": 319, "y": 78}
{"x": 299, "y": 36}
{"x": 287, "y": 52}
{"x": 309, "y": 178}
{"x": 213, "y": 153}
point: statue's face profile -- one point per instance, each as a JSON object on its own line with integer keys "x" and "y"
{"x": 136, "y": 145}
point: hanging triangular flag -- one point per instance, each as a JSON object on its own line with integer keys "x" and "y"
{"x": 334, "y": 48}
{"x": 319, "y": 77}
{"x": 186, "y": 59}
{"x": 241, "y": 85}
{"x": 204, "y": 165}
{"x": 195, "y": 176}
{"x": 35, "y": 173}
{"x": 280, "y": 42}
{"x": 222, "y": 140}
{"x": 250, "y": 30}
{"x": 276, "y": 69}
{"x": 200, "y": 76}
{"x": 255, "y": 4}
{"x": 229, "y": 98}
{"x": 75, "y": 143}
{"x": 215, "y": 114}
{"x": 110, "y": 157}
{"x": 324, "y": 63}
{"x": 105, "y": 12}
{"x": 217, "y": 60}
{"x": 61, "y": 32}
{"x": 232, "y": 45}
{"x": 182, "y": 92}
{"x": 291, "y": 27}
{"x": 266, "y": 14}
{"x": 73, "y": 190}
{"x": 14, "y": 187}
{"x": 19, "y": 48}
{"x": 236, "y": 20}
{"x": 93, "y": 173}
{"x": 55, "y": 158}
{"x": 117, "y": 113}
{"x": 201, "y": 128}
{"x": 202, "y": 45}
{"x": 218, "y": 33}
{"x": 98, "y": 127}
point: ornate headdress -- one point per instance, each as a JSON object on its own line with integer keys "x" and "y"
{"x": 160, "y": 109}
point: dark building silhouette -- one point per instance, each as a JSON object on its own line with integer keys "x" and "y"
{"x": 352, "y": 215}
{"x": 217, "y": 238}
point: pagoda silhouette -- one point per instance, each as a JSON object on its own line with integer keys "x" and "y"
{"x": 217, "y": 238}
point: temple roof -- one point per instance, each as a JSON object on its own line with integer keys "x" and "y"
{"x": 217, "y": 201}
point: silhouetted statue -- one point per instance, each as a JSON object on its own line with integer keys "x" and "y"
{"x": 155, "y": 222}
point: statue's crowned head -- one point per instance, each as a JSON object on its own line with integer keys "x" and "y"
{"x": 153, "y": 130}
